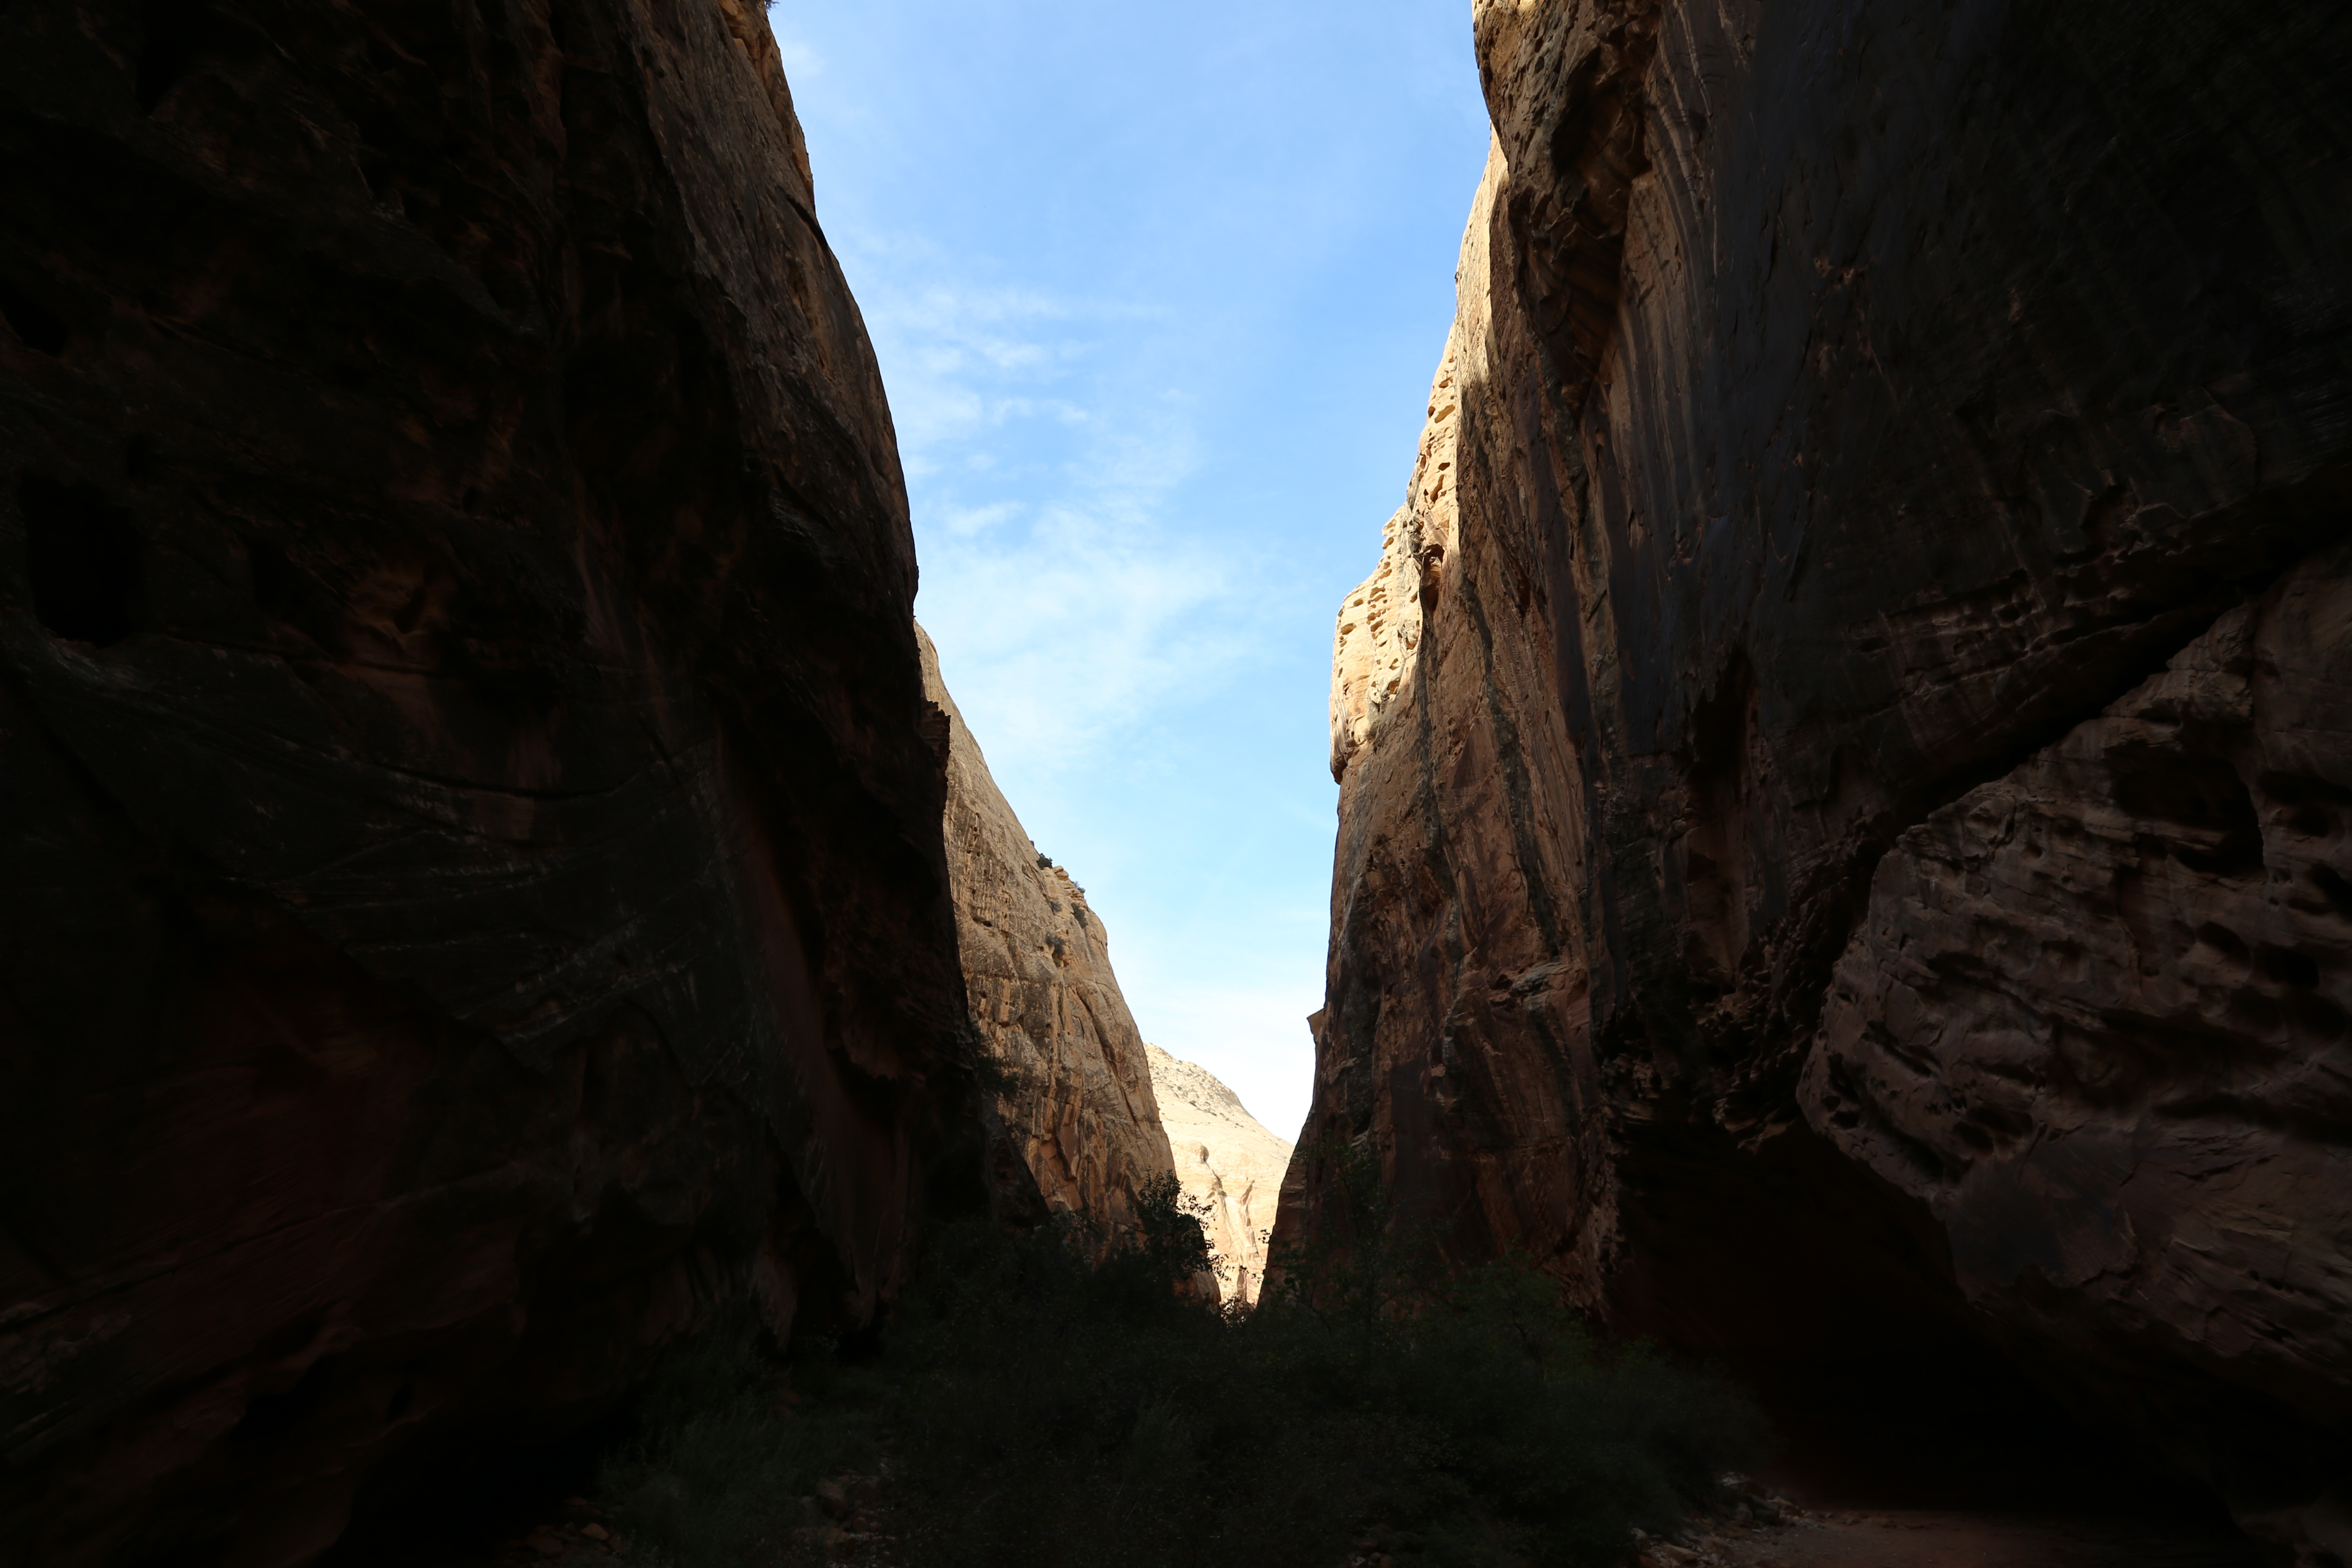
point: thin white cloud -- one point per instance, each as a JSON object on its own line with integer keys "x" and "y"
{"x": 966, "y": 521}
{"x": 963, "y": 364}
{"x": 801, "y": 63}
{"x": 1067, "y": 604}
{"x": 1124, "y": 337}
{"x": 1061, "y": 638}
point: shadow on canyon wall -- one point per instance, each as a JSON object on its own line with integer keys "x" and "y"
{"x": 1844, "y": 771}
{"x": 1841, "y": 755}
{"x": 472, "y": 907}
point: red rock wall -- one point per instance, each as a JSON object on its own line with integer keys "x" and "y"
{"x": 1847, "y": 405}
{"x": 471, "y": 903}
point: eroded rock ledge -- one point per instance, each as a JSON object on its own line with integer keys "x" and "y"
{"x": 1838, "y": 844}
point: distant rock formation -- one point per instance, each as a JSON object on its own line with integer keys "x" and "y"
{"x": 471, "y": 900}
{"x": 1228, "y": 1163}
{"x": 1077, "y": 1098}
{"x": 1844, "y": 841}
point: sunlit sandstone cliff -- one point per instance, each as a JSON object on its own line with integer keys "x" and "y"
{"x": 1078, "y": 1098}
{"x": 1228, "y": 1163}
{"x": 471, "y": 898}
{"x": 1843, "y": 759}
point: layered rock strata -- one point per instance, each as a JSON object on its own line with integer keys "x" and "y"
{"x": 1230, "y": 1167}
{"x": 1075, "y": 1089}
{"x": 1747, "y": 898}
{"x": 471, "y": 905}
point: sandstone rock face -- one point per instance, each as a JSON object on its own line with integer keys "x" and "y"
{"x": 2096, "y": 1018}
{"x": 1037, "y": 965}
{"x": 1228, "y": 1163}
{"x": 1847, "y": 405}
{"x": 471, "y": 903}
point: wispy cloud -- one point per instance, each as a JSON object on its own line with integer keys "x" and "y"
{"x": 1058, "y": 638}
{"x": 801, "y": 63}
{"x": 1044, "y": 470}
{"x": 1155, "y": 362}
{"x": 963, "y": 364}
{"x": 963, "y": 522}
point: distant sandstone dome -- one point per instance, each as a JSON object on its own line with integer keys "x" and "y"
{"x": 1227, "y": 1158}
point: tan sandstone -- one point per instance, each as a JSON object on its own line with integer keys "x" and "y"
{"x": 1078, "y": 1096}
{"x": 1230, "y": 1165}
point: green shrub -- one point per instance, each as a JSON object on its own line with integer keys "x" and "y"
{"x": 1042, "y": 1401}
{"x": 720, "y": 1466}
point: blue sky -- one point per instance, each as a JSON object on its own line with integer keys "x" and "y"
{"x": 1157, "y": 293}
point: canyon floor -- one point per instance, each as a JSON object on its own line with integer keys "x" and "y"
{"x": 1889, "y": 1484}
{"x": 2160, "y": 1534}
{"x": 2038, "y": 1495}
{"x": 1893, "y": 1538}
{"x": 1941, "y": 1538}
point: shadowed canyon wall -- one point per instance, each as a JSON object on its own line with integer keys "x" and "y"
{"x": 1842, "y": 845}
{"x": 472, "y": 904}
{"x": 1076, "y": 1098}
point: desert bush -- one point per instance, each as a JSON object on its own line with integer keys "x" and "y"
{"x": 720, "y": 1466}
{"x": 1043, "y": 1401}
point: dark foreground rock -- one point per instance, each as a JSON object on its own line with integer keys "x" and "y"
{"x": 471, "y": 899}
{"x": 1843, "y": 761}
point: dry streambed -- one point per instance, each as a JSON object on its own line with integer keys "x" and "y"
{"x": 1930, "y": 1538}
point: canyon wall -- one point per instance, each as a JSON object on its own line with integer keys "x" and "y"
{"x": 1228, "y": 1164}
{"x": 1841, "y": 846}
{"x": 1073, "y": 1090}
{"x": 472, "y": 905}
